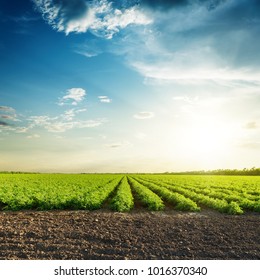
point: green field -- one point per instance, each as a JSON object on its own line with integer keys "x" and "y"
{"x": 119, "y": 192}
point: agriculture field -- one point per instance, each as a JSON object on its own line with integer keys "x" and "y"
{"x": 225, "y": 194}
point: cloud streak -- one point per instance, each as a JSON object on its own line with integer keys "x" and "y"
{"x": 99, "y": 17}
{"x": 2, "y": 123}
{"x": 117, "y": 145}
{"x": 178, "y": 41}
{"x": 63, "y": 122}
{"x": 104, "y": 99}
{"x": 184, "y": 43}
{"x": 7, "y": 109}
{"x": 251, "y": 125}
{"x": 6, "y": 117}
{"x": 144, "y": 115}
{"x": 73, "y": 96}
{"x": 66, "y": 15}
{"x": 251, "y": 145}
{"x": 33, "y": 136}
{"x": 8, "y": 113}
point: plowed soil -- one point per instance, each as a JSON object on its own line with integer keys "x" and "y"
{"x": 84, "y": 235}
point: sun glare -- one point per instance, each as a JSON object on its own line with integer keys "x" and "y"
{"x": 206, "y": 141}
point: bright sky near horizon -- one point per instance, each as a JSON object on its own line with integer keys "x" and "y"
{"x": 129, "y": 86}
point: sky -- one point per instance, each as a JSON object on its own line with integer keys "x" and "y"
{"x": 129, "y": 86}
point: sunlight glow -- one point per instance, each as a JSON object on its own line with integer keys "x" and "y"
{"x": 207, "y": 141}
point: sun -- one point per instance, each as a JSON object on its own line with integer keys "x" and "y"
{"x": 207, "y": 141}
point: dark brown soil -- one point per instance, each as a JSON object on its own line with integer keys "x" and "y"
{"x": 79, "y": 235}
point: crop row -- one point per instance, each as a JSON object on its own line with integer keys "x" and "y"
{"x": 123, "y": 201}
{"x": 55, "y": 192}
{"x": 232, "y": 204}
{"x": 121, "y": 193}
{"x": 178, "y": 200}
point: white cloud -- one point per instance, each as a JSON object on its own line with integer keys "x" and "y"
{"x": 70, "y": 114}
{"x": 34, "y": 136}
{"x": 74, "y": 95}
{"x": 90, "y": 123}
{"x": 144, "y": 115}
{"x": 109, "y": 20}
{"x": 183, "y": 46}
{"x": 79, "y": 16}
{"x": 59, "y": 126}
{"x": 8, "y": 114}
{"x": 85, "y": 52}
{"x": 178, "y": 44}
{"x": 63, "y": 122}
{"x": 140, "y": 136}
{"x": 104, "y": 99}
{"x": 41, "y": 120}
{"x": 118, "y": 144}
{"x": 22, "y": 129}
{"x": 171, "y": 71}
{"x": 186, "y": 99}
{"x": 251, "y": 125}
{"x": 7, "y": 117}
{"x": 66, "y": 16}
{"x": 6, "y": 108}
{"x": 250, "y": 145}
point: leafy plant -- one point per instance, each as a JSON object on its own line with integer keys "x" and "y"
{"x": 123, "y": 201}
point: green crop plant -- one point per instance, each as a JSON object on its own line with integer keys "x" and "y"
{"x": 95, "y": 199}
{"x": 226, "y": 194}
{"x": 178, "y": 200}
{"x": 220, "y": 205}
{"x": 146, "y": 196}
{"x": 123, "y": 201}
{"x": 234, "y": 208}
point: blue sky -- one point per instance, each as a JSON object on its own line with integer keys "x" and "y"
{"x": 129, "y": 86}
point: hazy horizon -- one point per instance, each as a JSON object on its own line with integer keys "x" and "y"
{"x": 129, "y": 86}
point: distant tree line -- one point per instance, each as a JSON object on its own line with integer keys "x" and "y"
{"x": 250, "y": 172}
{"x": 18, "y": 172}
{"x": 246, "y": 172}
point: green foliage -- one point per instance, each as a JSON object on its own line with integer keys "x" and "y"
{"x": 234, "y": 208}
{"x": 123, "y": 201}
{"x": 55, "y": 191}
{"x": 146, "y": 196}
{"x": 180, "y": 201}
{"x": 244, "y": 172}
{"x": 226, "y": 194}
{"x": 216, "y": 192}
